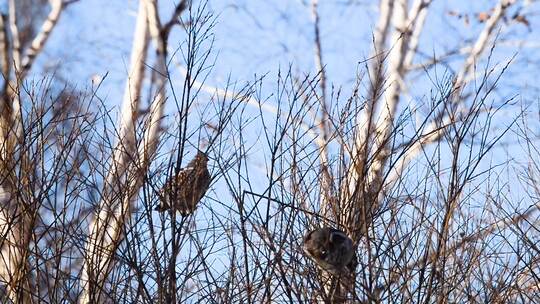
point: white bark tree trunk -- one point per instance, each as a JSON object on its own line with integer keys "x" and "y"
{"x": 105, "y": 229}
{"x": 16, "y": 222}
{"x": 129, "y": 162}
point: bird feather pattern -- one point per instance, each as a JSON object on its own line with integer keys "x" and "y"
{"x": 183, "y": 192}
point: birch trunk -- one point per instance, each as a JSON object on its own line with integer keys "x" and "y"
{"x": 105, "y": 229}
{"x": 129, "y": 163}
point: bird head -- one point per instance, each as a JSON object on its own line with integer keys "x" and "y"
{"x": 201, "y": 156}
{"x": 316, "y": 243}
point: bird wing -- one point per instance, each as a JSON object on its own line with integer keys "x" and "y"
{"x": 172, "y": 184}
{"x": 184, "y": 175}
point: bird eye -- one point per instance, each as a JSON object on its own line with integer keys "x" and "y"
{"x": 324, "y": 253}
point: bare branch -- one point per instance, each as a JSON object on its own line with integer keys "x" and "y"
{"x": 392, "y": 93}
{"x": 152, "y": 129}
{"x": 16, "y": 44}
{"x": 483, "y": 40}
{"x": 417, "y": 18}
{"x": 433, "y": 131}
{"x": 167, "y": 27}
{"x": 39, "y": 41}
{"x": 4, "y": 48}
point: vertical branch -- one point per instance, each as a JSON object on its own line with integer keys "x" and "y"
{"x": 406, "y": 37}
{"x": 4, "y": 49}
{"x": 407, "y": 29}
{"x": 16, "y": 43}
{"x": 105, "y": 229}
{"x": 39, "y": 41}
{"x": 392, "y": 93}
{"x": 5, "y": 103}
{"x": 160, "y": 68}
{"x": 326, "y": 193}
{"x": 360, "y": 199}
{"x": 376, "y": 68}
{"x": 319, "y": 63}
{"x": 417, "y": 17}
{"x": 10, "y": 108}
{"x": 364, "y": 123}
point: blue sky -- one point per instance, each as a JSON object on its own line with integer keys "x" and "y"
{"x": 256, "y": 37}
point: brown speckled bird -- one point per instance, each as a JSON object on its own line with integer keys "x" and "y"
{"x": 331, "y": 249}
{"x": 183, "y": 191}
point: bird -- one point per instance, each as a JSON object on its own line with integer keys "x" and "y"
{"x": 331, "y": 249}
{"x": 183, "y": 191}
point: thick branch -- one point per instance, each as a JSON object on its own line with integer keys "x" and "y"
{"x": 15, "y": 41}
{"x": 326, "y": 177}
{"x": 108, "y": 227}
{"x": 392, "y": 93}
{"x": 4, "y": 49}
{"x": 417, "y": 18}
{"x": 105, "y": 229}
{"x": 364, "y": 121}
{"x": 39, "y": 41}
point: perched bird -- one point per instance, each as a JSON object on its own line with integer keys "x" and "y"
{"x": 183, "y": 191}
{"x": 331, "y": 249}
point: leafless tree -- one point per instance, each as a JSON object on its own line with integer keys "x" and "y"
{"x": 431, "y": 213}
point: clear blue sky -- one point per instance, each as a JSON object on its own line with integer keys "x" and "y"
{"x": 258, "y": 37}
